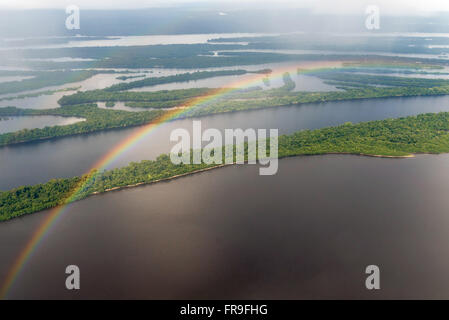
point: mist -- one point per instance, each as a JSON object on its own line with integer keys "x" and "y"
{"x": 207, "y": 19}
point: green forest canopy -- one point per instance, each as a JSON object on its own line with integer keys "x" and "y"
{"x": 425, "y": 133}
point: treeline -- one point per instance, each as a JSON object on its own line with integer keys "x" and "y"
{"x": 152, "y": 56}
{"x": 42, "y": 79}
{"x": 390, "y": 70}
{"x": 37, "y": 94}
{"x": 348, "y": 43}
{"x": 182, "y": 77}
{"x": 163, "y": 98}
{"x": 96, "y": 120}
{"x": 272, "y": 98}
{"x": 127, "y": 52}
{"x": 346, "y": 77}
{"x": 426, "y": 133}
{"x": 100, "y": 119}
{"x": 231, "y": 59}
{"x": 46, "y": 79}
{"x": 123, "y": 78}
{"x": 157, "y": 104}
{"x": 82, "y": 97}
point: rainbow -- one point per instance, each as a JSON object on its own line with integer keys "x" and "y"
{"x": 50, "y": 220}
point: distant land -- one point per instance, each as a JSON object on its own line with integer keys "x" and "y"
{"x": 190, "y": 21}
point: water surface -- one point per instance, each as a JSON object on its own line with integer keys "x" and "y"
{"x": 302, "y": 82}
{"x": 70, "y": 156}
{"x": 307, "y": 232}
{"x": 112, "y": 41}
{"x": 11, "y": 124}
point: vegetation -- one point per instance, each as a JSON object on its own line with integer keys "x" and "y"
{"x": 201, "y": 55}
{"x": 40, "y": 93}
{"x": 276, "y": 97}
{"x": 426, "y": 133}
{"x": 345, "y": 77}
{"x": 392, "y": 63}
{"x": 348, "y": 43}
{"x": 96, "y": 119}
{"x": 131, "y": 77}
{"x": 234, "y": 100}
{"x": 45, "y": 79}
{"x": 170, "y": 97}
{"x": 175, "y": 78}
{"x": 186, "y": 56}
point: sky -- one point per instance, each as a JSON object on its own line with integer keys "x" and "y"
{"x": 396, "y": 7}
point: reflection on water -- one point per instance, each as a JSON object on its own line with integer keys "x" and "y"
{"x": 49, "y": 101}
{"x": 11, "y": 124}
{"x": 104, "y": 80}
{"x": 214, "y": 82}
{"x": 43, "y": 101}
{"x": 302, "y": 82}
{"x": 99, "y": 81}
{"x": 307, "y": 232}
{"x": 70, "y": 156}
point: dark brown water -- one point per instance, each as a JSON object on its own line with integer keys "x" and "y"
{"x": 307, "y": 232}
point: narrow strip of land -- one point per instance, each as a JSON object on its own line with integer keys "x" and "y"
{"x": 158, "y": 102}
{"x": 425, "y": 133}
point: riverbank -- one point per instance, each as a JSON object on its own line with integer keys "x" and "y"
{"x": 164, "y": 179}
{"x": 232, "y": 164}
{"x": 99, "y": 119}
{"x": 391, "y": 138}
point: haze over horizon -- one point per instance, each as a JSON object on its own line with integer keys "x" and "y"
{"x": 398, "y": 7}
{"x": 101, "y": 18}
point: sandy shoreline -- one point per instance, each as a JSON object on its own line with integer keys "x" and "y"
{"x": 225, "y": 165}
{"x": 231, "y": 164}
{"x": 373, "y": 155}
{"x": 161, "y": 180}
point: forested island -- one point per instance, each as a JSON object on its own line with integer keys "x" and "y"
{"x": 175, "y": 78}
{"x": 425, "y": 133}
{"x": 82, "y": 104}
{"x": 167, "y": 98}
{"x": 38, "y": 94}
{"x": 96, "y": 120}
{"x": 123, "y": 78}
{"x": 42, "y": 79}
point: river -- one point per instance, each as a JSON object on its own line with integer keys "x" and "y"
{"x": 70, "y": 156}
{"x": 307, "y": 232}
